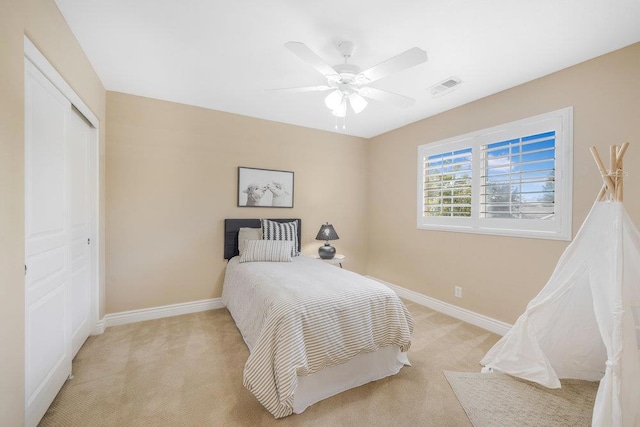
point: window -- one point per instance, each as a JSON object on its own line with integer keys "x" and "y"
{"x": 514, "y": 179}
{"x": 448, "y": 184}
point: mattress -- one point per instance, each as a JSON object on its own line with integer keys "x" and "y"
{"x": 305, "y": 318}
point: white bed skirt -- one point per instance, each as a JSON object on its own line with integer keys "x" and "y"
{"x": 360, "y": 370}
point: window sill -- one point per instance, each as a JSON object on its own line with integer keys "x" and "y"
{"x": 530, "y": 234}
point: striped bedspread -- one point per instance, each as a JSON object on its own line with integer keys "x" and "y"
{"x": 300, "y": 317}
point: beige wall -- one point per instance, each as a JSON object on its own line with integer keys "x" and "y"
{"x": 172, "y": 180}
{"x": 11, "y": 214}
{"x": 43, "y": 23}
{"x": 499, "y": 275}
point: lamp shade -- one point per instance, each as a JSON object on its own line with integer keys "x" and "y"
{"x": 341, "y": 109}
{"x": 333, "y": 100}
{"x": 327, "y": 232}
{"x": 357, "y": 102}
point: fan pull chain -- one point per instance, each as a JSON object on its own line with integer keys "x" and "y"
{"x": 342, "y": 128}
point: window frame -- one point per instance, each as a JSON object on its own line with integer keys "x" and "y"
{"x": 557, "y": 228}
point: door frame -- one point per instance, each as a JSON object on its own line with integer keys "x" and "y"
{"x": 32, "y": 53}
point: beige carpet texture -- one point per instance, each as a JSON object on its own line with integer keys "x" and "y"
{"x": 187, "y": 371}
{"x": 498, "y": 399}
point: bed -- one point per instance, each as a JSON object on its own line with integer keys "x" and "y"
{"x": 313, "y": 330}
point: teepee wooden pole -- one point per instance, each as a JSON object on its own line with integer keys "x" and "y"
{"x": 620, "y": 185}
{"x": 609, "y": 184}
{"x": 621, "y": 153}
{"x": 613, "y": 150}
{"x": 613, "y": 166}
{"x": 617, "y": 170}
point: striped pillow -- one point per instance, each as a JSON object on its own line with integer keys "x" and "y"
{"x": 267, "y": 251}
{"x": 272, "y": 230}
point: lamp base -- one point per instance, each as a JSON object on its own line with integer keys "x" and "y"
{"x": 327, "y": 251}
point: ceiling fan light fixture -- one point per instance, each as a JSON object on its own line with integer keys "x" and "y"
{"x": 364, "y": 91}
{"x": 333, "y": 100}
{"x": 357, "y": 102}
{"x": 361, "y": 79}
{"x": 341, "y": 109}
{"x": 348, "y": 85}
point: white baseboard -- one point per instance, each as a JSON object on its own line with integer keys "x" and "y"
{"x": 133, "y": 316}
{"x": 484, "y": 322}
{"x": 99, "y": 327}
{"x": 124, "y": 317}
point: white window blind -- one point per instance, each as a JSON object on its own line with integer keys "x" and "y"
{"x": 518, "y": 178}
{"x": 447, "y": 189}
{"x": 513, "y": 179}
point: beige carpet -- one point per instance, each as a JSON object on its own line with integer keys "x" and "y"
{"x": 500, "y": 400}
{"x": 187, "y": 371}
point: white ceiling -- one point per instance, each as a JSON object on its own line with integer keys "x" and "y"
{"x": 223, "y": 55}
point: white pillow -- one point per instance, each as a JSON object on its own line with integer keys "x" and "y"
{"x": 245, "y": 234}
{"x": 267, "y": 251}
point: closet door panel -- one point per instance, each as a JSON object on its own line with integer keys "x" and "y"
{"x": 79, "y": 142}
{"x": 47, "y": 296}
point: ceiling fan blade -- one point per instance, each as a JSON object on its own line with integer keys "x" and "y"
{"x": 304, "y": 89}
{"x": 408, "y": 59}
{"x": 307, "y": 55}
{"x": 384, "y": 96}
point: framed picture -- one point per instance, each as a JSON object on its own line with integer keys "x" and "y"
{"x": 264, "y": 188}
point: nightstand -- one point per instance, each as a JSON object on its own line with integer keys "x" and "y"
{"x": 338, "y": 259}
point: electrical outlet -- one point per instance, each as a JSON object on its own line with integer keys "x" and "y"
{"x": 457, "y": 291}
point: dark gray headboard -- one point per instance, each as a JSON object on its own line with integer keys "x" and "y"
{"x": 232, "y": 226}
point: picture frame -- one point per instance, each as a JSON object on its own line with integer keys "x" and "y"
{"x": 264, "y": 188}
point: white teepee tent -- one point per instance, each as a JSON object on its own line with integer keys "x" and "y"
{"x": 585, "y": 323}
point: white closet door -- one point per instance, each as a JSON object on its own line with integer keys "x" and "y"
{"x": 47, "y": 249}
{"x": 78, "y": 143}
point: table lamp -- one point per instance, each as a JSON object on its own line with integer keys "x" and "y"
{"x": 327, "y": 233}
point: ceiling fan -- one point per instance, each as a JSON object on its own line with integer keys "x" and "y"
{"x": 348, "y": 84}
